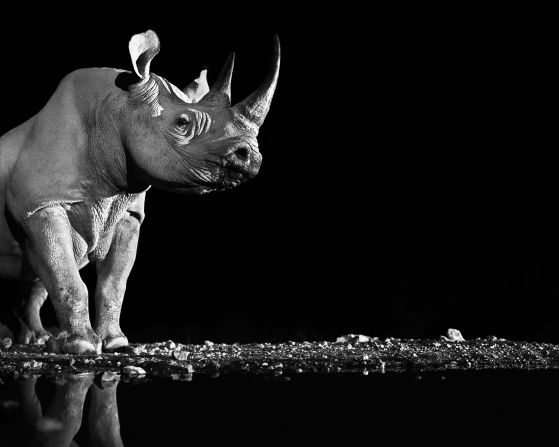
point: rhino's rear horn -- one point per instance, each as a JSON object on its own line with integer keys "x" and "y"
{"x": 256, "y": 106}
{"x": 220, "y": 93}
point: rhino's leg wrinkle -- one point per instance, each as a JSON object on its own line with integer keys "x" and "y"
{"x": 112, "y": 274}
{"x": 50, "y": 251}
{"x": 30, "y": 298}
{"x": 67, "y": 407}
{"x": 104, "y": 425}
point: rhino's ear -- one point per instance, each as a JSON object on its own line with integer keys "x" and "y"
{"x": 143, "y": 48}
{"x": 198, "y": 88}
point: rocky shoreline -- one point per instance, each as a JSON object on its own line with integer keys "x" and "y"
{"x": 349, "y": 354}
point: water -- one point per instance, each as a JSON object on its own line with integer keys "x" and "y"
{"x": 306, "y": 409}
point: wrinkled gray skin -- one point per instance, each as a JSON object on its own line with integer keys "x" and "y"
{"x": 73, "y": 181}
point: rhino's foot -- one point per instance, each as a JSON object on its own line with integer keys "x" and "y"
{"x": 114, "y": 342}
{"x": 34, "y": 336}
{"x": 86, "y": 343}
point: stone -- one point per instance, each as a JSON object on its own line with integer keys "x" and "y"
{"x": 180, "y": 355}
{"x": 5, "y": 343}
{"x": 454, "y": 335}
{"x": 354, "y": 338}
{"x": 33, "y": 364}
{"x": 134, "y": 371}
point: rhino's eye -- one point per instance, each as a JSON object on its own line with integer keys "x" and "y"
{"x": 183, "y": 122}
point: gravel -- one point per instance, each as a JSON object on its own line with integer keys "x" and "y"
{"x": 179, "y": 361}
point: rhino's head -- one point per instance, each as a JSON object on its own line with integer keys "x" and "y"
{"x": 192, "y": 140}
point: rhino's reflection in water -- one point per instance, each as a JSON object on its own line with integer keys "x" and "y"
{"x": 56, "y": 422}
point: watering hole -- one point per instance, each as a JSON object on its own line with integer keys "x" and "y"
{"x": 393, "y": 391}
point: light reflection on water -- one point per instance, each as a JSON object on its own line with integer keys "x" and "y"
{"x": 79, "y": 410}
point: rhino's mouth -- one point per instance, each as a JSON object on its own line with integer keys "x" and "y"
{"x": 227, "y": 178}
{"x": 233, "y": 177}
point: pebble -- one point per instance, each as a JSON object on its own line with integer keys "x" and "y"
{"x": 180, "y": 355}
{"x": 5, "y": 343}
{"x": 138, "y": 350}
{"x": 33, "y": 364}
{"x": 134, "y": 371}
{"x": 454, "y": 335}
{"x": 353, "y": 338}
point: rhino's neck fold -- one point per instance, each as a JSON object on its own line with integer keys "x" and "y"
{"x": 107, "y": 158}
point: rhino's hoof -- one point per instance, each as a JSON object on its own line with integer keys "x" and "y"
{"x": 74, "y": 344}
{"x": 38, "y": 337}
{"x": 115, "y": 343}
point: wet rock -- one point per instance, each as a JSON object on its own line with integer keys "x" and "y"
{"x": 5, "y": 343}
{"x": 136, "y": 350}
{"x": 33, "y": 364}
{"x": 180, "y": 355}
{"x": 134, "y": 371}
{"x": 454, "y": 335}
{"x": 354, "y": 338}
{"x": 208, "y": 343}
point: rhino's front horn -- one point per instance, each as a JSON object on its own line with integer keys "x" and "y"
{"x": 220, "y": 93}
{"x": 256, "y": 106}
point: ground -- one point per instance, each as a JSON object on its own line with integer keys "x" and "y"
{"x": 358, "y": 354}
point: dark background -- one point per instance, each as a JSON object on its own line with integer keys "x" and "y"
{"x": 408, "y": 182}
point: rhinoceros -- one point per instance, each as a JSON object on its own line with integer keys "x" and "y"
{"x": 73, "y": 181}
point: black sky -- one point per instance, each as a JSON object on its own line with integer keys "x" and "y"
{"x": 408, "y": 182}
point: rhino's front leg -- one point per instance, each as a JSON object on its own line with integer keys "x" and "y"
{"x": 50, "y": 251}
{"x": 31, "y": 296}
{"x": 112, "y": 274}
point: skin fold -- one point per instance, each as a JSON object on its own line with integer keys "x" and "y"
{"x": 73, "y": 183}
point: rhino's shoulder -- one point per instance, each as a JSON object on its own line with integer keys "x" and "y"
{"x": 91, "y": 85}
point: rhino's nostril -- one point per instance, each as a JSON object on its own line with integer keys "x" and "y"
{"x": 242, "y": 153}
